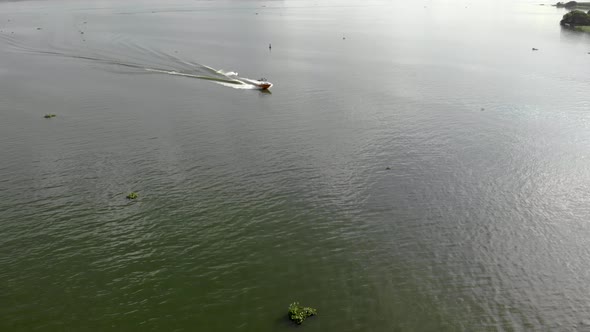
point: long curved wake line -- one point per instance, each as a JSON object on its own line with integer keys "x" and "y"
{"x": 237, "y": 83}
{"x": 152, "y": 61}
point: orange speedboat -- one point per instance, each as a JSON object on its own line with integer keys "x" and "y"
{"x": 263, "y": 84}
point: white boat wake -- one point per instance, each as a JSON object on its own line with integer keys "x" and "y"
{"x": 141, "y": 58}
{"x": 231, "y": 79}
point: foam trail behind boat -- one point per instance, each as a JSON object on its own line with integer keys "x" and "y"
{"x": 141, "y": 58}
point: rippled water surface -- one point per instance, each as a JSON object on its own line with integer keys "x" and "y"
{"x": 416, "y": 167}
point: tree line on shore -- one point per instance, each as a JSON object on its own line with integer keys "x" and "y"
{"x": 572, "y": 4}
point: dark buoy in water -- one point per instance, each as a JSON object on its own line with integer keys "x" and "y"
{"x": 388, "y": 168}
{"x": 269, "y": 46}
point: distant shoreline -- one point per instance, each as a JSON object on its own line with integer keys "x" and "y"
{"x": 573, "y": 5}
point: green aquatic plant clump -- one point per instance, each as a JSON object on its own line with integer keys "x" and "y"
{"x": 298, "y": 313}
{"x": 132, "y": 195}
{"x": 49, "y": 116}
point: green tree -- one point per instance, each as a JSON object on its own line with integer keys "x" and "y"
{"x": 575, "y": 18}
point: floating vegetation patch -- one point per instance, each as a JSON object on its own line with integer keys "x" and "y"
{"x": 132, "y": 195}
{"x": 49, "y": 116}
{"x": 298, "y": 314}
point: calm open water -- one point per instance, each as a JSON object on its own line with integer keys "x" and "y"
{"x": 249, "y": 201}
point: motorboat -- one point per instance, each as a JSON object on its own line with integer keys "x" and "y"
{"x": 261, "y": 83}
{"x": 264, "y": 85}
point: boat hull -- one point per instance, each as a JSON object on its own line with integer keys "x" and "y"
{"x": 264, "y": 86}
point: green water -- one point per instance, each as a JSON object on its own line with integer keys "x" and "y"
{"x": 416, "y": 167}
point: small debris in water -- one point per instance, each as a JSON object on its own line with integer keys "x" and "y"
{"x": 388, "y": 168}
{"x": 482, "y": 109}
{"x": 49, "y": 116}
{"x": 535, "y": 49}
{"x": 38, "y": 28}
{"x": 132, "y": 195}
